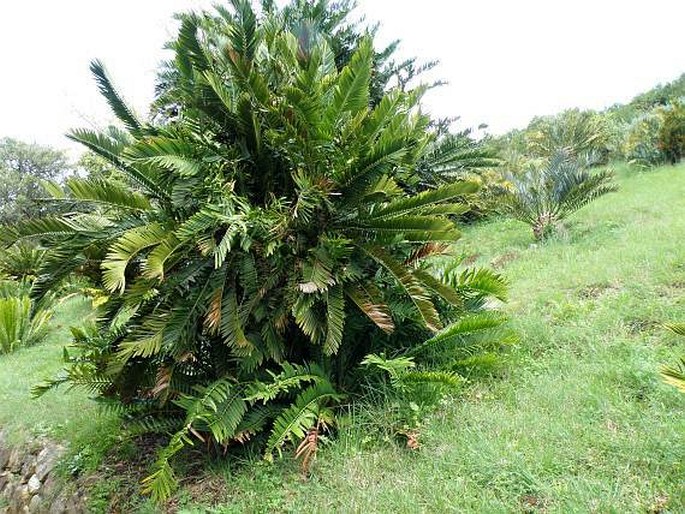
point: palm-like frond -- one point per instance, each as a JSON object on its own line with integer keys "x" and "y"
{"x": 308, "y": 407}
{"x": 116, "y": 103}
{"x": 545, "y": 196}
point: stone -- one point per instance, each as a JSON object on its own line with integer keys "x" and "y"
{"x": 59, "y": 505}
{"x": 11, "y": 484}
{"x": 34, "y": 484}
{"x": 4, "y": 478}
{"x": 75, "y": 505}
{"x": 35, "y": 504}
{"x": 20, "y": 497}
{"x": 29, "y": 466}
{"x": 4, "y": 457}
{"x": 14, "y": 462}
{"x": 47, "y": 460}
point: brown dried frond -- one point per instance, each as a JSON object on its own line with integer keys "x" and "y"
{"x": 426, "y": 251}
{"x": 162, "y": 381}
{"x": 213, "y": 318}
{"x": 307, "y": 449}
{"x": 244, "y": 436}
{"x": 377, "y": 312}
{"x": 412, "y": 439}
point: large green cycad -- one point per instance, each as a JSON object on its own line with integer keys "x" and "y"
{"x": 260, "y": 239}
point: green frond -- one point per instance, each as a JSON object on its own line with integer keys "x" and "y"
{"x": 675, "y": 375}
{"x": 411, "y": 285}
{"x": 292, "y": 377}
{"x": 126, "y": 247}
{"x": 426, "y": 200}
{"x": 408, "y": 228}
{"x": 232, "y": 326}
{"x": 111, "y": 151}
{"x": 161, "y": 484}
{"x": 442, "y": 289}
{"x": 116, "y": 103}
{"x": 454, "y": 334}
{"x": 335, "y": 320}
{"x": 677, "y": 328}
{"x": 107, "y": 193}
{"x": 446, "y": 379}
{"x": 162, "y": 254}
{"x": 351, "y": 91}
{"x": 293, "y": 423}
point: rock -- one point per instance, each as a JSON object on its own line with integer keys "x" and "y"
{"x": 4, "y": 478}
{"x": 74, "y": 505}
{"x": 47, "y": 460}
{"x": 29, "y": 466}
{"x": 4, "y": 456}
{"x": 35, "y": 503}
{"x": 14, "y": 462}
{"x": 59, "y": 505}
{"x": 34, "y": 484}
{"x": 11, "y": 484}
{"x": 20, "y": 497}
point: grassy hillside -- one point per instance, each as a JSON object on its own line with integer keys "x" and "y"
{"x": 578, "y": 420}
{"x": 59, "y": 414}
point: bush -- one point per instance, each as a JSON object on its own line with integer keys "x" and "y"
{"x": 582, "y": 134}
{"x": 641, "y": 146}
{"x": 544, "y": 196}
{"x": 21, "y": 261}
{"x": 671, "y": 135}
{"x": 19, "y": 324}
{"x": 269, "y": 244}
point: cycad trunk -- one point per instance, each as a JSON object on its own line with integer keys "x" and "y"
{"x": 543, "y": 225}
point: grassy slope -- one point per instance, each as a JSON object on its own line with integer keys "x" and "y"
{"x": 581, "y": 422}
{"x": 69, "y": 416}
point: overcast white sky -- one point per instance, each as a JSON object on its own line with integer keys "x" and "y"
{"x": 505, "y": 60}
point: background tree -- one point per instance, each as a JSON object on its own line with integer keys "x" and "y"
{"x": 22, "y": 168}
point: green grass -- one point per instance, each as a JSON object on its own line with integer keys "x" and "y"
{"x": 579, "y": 420}
{"x": 68, "y": 416}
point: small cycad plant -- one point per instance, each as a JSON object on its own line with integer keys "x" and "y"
{"x": 675, "y": 374}
{"x": 544, "y": 196}
{"x": 21, "y": 324}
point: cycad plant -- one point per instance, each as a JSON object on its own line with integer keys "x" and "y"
{"x": 20, "y": 324}
{"x": 544, "y": 196}
{"x": 258, "y": 242}
{"x": 675, "y": 375}
{"x": 584, "y": 135}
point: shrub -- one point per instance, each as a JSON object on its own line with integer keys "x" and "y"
{"x": 269, "y": 244}
{"x": 582, "y": 134}
{"x": 671, "y": 134}
{"x": 19, "y": 324}
{"x": 641, "y": 146}
{"x": 544, "y": 196}
{"x": 21, "y": 261}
